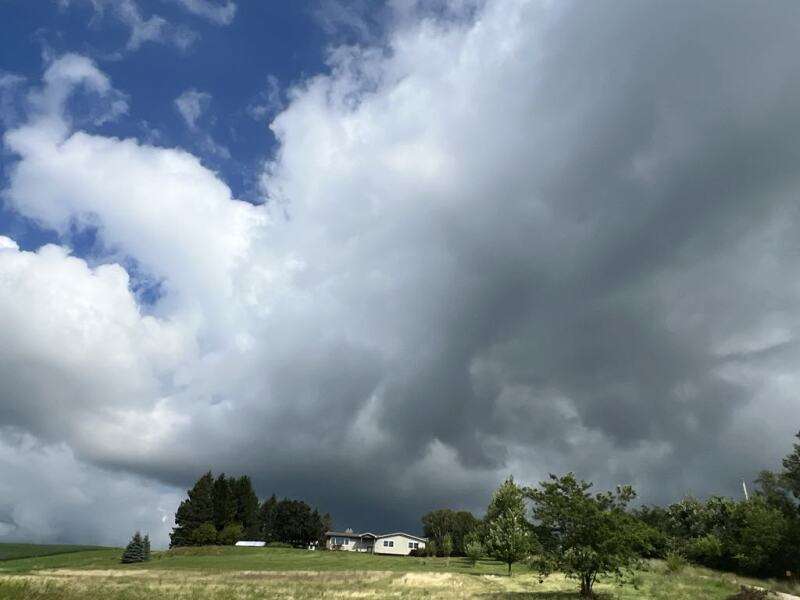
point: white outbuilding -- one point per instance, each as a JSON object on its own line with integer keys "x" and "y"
{"x": 251, "y": 544}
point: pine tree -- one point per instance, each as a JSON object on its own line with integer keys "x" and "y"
{"x": 246, "y": 503}
{"x": 266, "y": 519}
{"x": 146, "y": 546}
{"x": 224, "y": 502}
{"x": 193, "y": 512}
{"x": 135, "y": 550}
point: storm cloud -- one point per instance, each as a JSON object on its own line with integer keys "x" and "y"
{"x": 502, "y": 237}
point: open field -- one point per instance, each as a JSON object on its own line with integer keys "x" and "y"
{"x": 250, "y": 573}
{"x": 15, "y": 551}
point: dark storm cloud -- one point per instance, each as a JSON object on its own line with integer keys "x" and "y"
{"x": 543, "y": 239}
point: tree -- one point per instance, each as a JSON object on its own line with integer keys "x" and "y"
{"x": 458, "y": 524}
{"x": 447, "y": 546}
{"x": 193, "y": 512}
{"x": 791, "y": 469}
{"x": 297, "y": 524}
{"x": 146, "y": 546}
{"x": 436, "y": 524}
{"x": 232, "y": 533}
{"x": 246, "y": 505}
{"x": 585, "y": 535}
{"x": 474, "y": 551}
{"x": 205, "y": 534}
{"x": 431, "y": 549}
{"x": 509, "y": 537}
{"x": 266, "y": 519}
{"x": 224, "y": 502}
{"x": 135, "y": 550}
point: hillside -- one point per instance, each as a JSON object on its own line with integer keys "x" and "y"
{"x": 17, "y": 551}
{"x": 215, "y": 573}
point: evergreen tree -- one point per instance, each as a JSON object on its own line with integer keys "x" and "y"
{"x": 246, "y": 503}
{"x": 266, "y": 519}
{"x": 182, "y": 532}
{"x": 146, "y": 546}
{"x": 193, "y": 512}
{"x": 224, "y": 502}
{"x": 135, "y": 550}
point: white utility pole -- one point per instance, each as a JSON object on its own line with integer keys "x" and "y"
{"x": 744, "y": 487}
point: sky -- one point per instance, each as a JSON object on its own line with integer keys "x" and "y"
{"x": 381, "y": 255}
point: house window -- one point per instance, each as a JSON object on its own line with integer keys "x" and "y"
{"x": 345, "y": 541}
{"x": 413, "y": 544}
{"x": 391, "y": 544}
{"x": 385, "y": 543}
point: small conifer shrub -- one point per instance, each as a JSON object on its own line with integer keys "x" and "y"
{"x": 137, "y": 550}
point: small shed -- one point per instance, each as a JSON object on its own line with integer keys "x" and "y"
{"x": 251, "y": 544}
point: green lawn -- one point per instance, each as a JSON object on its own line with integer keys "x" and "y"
{"x": 216, "y": 573}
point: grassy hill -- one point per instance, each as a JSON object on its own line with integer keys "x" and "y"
{"x": 216, "y": 573}
{"x": 16, "y": 551}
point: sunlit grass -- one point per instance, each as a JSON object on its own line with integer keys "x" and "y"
{"x": 249, "y": 573}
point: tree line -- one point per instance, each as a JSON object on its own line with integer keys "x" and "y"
{"x": 561, "y": 525}
{"x": 224, "y": 510}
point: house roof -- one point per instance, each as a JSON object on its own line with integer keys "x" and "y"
{"x": 352, "y": 534}
{"x": 408, "y": 535}
{"x": 348, "y": 534}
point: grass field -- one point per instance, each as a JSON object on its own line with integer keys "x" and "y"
{"x": 248, "y": 573}
{"x": 15, "y": 551}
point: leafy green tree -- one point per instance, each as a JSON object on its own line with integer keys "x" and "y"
{"x": 205, "y": 534}
{"x": 509, "y": 537}
{"x": 135, "y": 550}
{"x": 458, "y": 524}
{"x": 474, "y": 551}
{"x": 231, "y": 533}
{"x": 791, "y": 469}
{"x": 774, "y": 489}
{"x": 447, "y": 546}
{"x": 436, "y": 524}
{"x": 431, "y": 548}
{"x": 586, "y": 535}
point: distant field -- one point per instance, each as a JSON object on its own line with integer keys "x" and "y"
{"x": 15, "y": 551}
{"x": 248, "y": 573}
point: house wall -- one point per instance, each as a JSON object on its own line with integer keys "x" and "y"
{"x": 400, "y": 546}
{"x": 353, "y": 544}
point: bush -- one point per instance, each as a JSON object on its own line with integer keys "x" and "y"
{"x": 474, "y": 551}
{"x": 418, "y": 552}
{"x": 231, "y": 534}
{"x": 205, "y": 535}
{"x": 675, "y": 562}
{"x": 706, "y": 550}
{"x": 279, "y": 545}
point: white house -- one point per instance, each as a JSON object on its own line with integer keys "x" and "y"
{"x": 350, "y": 541}
{"x": 398, "y": 543}
{"x": 390, "y": 543}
